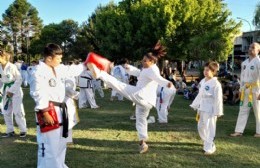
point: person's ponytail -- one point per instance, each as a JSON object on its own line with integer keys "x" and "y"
{"x": 157, "y": 52}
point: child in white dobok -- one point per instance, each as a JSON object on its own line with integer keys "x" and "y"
{"x": 49, "y": 87}
{"x": 209, "y": 106}
{"x": 143, "y": 94}
{"x": 11, "y": 96}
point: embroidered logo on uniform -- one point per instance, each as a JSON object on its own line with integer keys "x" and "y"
{"x": 252, "y": 67}
{"x": 52, "y": 82}
{"x": 244, "y": 67}
{"x": 207, "y": 88}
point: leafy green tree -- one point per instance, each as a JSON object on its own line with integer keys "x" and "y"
{"x": 205, "y": 32}
{"x": 256, "y": 20}
{"x": 20, "y": 25}
{"x": 63, "y": 34}
{"x": 128, "y": 29}
{"x": 191, "y": 29}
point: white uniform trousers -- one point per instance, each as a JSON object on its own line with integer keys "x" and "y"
{"x": 51, "y": 149}
{"x": 15, "y": 108}
{"x": 141, "y": 113}
{"x": 70, "y": 138}
{"x": 142, "y": 107}
{"x": 97, "y": 86}
{"x": 244, "y": 113}
{"x": 24, "y": 74}
{"x": 162, "y": 107}
{"x": 162, "y": 110}
{"x": 207, "y": 130}
{"x": 171, "y": 99}
{"x": 72, "y": 116}
{"x": 86, "y": 95}
{"x": 115, "y": 94}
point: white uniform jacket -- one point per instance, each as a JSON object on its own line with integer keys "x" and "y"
{"x": 210, "y": 97}
{"x": 148, "y": 80}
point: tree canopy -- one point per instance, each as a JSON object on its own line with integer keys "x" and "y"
{"x": 191, "y": 29}
{"x": 63, "y": 34}
{"x": 256, "y": 20}
{"x": 20, "y": 24}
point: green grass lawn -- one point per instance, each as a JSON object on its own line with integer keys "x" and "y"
{"x": 107, "y": 138}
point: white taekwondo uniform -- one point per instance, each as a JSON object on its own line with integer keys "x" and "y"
{"x": 120, "y": 74}
{"x": 31, "y": 70}
{"x": 86, "y": 94}
{"x": 143, "y": 94}
{"x": 97, "y": 86}
{"x": 164, "y": 96}
{"x": 12, "y": 80}
{"x": 24, "y": 74}
{"x": 209, "y": 103}
{"x": 250, "y": 89}
{"x": 48, "y": 87}
{"x": 71, "y": 96}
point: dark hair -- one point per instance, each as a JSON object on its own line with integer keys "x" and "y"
{"x": 52, "y": 50}
{"x": 77, "y": 62}
{"x": 123, "y": 61}
{"x": 157, "y": 52}
{"x": 71, "y": 62}
{"x": 213, "y": 66}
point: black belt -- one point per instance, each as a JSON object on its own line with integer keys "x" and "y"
{"x": 65, "y": 123}
{"x": 65, "y": 118}
{"x": 85, "y": 77}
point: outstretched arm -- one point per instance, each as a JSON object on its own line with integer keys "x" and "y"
{"x": 155, "y": 76}
{"x": 131, "y": 70}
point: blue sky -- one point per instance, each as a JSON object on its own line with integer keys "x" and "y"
{"x": 54, "y": 11}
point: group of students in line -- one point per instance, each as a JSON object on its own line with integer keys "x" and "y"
{"x": 53, "y": 88}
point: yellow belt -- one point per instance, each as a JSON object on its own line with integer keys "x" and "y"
{"x": 197, "y": 117}
{"x": 77, "y": 112}
{"x": 249, "y": 86}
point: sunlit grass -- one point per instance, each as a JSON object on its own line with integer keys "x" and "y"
{"x": 107, "y": 138}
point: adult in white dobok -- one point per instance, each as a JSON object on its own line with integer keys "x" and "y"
{"x": 48, "y": 88}
{"x": 249, "y": 91}
{"x": 143, "y": 94}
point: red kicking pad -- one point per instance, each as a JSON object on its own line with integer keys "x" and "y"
{"x": 101, "y": 62}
